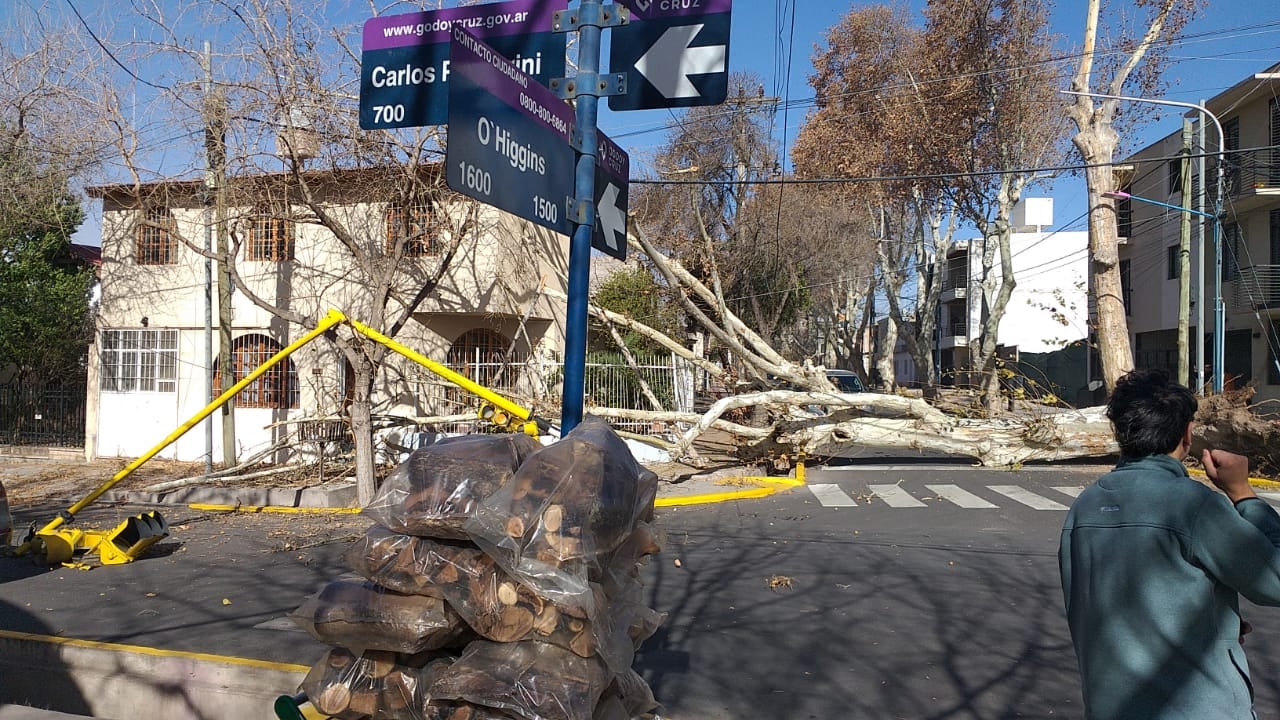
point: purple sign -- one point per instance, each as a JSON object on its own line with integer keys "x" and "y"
{"x": 508, "y": 136}
{"x": 404, "y": 62}
{"x": 654, "y": 9}
{"x": 485, "y": 67}
{"x": 517, "y": 17}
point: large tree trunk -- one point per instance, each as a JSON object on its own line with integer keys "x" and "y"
{"x": 1116, "y": 356}
{"x": 362, "y": 433}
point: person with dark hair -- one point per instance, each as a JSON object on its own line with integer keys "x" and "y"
{"x": 1153, "y": 564}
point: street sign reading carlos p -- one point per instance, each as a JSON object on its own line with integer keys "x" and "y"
{"x": 675, "y": 53}
{"x": 405, "y": 69}
{"x": 508, "y": 136}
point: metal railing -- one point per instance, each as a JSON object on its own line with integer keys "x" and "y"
{"x": 609, "y": 382}
{"x": 1251, "y": 170}
{"x": 1257, "y": 288}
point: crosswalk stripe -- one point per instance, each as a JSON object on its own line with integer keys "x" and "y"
{"x": 895, "y": 496}
{"x": 1028, "y": 498}
{"x": 1072, "y": 491}
{"x": 963, "y": 498}
{"x": 831, "y": 496}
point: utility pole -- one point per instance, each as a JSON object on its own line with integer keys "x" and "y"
{"x": 742, "y": 153}
{"x": 1184, "y": 258}
{"x": 215, "y": 146}
{"x": 210, "y": 184}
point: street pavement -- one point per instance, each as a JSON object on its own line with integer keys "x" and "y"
{"x": 881, "y": 591}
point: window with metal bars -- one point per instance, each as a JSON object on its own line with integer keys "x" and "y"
{"x": 139, "y": 360}
{"x": 413, "y": 225}
{"x": 276, "y": 389}
{"x": 156, "y": 242}
{"x": 270, "y": 239}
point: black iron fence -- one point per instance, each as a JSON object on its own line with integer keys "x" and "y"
{"x": 50, "y": 415}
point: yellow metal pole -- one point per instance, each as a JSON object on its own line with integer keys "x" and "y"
{"x": 332, "y": 318}
{"x": 460, "y": 380}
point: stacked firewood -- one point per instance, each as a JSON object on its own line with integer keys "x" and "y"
{"x": 500, "y": 582}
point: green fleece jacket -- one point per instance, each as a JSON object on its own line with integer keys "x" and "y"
{"x": 1152, "y": 566}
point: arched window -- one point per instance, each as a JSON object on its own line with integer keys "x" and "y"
{"x": 478, "y": 353}
{"x": 276, "y": 389}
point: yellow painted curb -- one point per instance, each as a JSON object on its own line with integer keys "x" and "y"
{"x": 155, "y": 652}
{"x": 768, "y": 486}
{"x": 308, "y": 711}
{"x": 1256, "y": 482}
{"x": 207, "y": 507}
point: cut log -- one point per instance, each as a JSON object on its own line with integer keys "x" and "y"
{"x": 333, "y": 700}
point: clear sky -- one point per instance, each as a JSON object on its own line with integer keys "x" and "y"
{"x": 775, "y": 39}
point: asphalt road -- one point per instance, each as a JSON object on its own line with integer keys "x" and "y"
{"x": 936, "y": 606}
{"x": 931, "y": 612}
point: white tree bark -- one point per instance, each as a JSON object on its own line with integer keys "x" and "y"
{"x": 819, "y": 423}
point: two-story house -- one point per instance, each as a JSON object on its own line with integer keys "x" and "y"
{"x": 357, "y": 245}
{"x": 1249, "y": 113}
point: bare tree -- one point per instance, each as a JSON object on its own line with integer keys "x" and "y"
{"x": 877, "y": 116}
{"x": 995, "y": 64}
{"x": 1133, "y": 61}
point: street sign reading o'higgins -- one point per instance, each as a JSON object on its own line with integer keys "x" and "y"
{"x": 508, "y": 137}
{"x": 405, "y": 70}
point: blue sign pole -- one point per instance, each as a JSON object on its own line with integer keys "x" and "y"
{"x": 575, "y": 341}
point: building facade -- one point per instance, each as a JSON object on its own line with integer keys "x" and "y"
{"x": 1151, "y": 235}
{"x": 1047, "y": 312}
{"x": 356, "y": 245}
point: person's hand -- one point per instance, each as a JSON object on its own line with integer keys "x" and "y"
{"x": 1228, "y": 471}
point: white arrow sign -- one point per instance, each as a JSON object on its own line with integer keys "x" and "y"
{"x": 670, "y": 61}
{"x": 612, "y": 219}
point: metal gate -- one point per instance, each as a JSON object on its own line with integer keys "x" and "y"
{"x": 49, "y": 415}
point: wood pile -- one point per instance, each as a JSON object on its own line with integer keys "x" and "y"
{"x": 500, "y": 582}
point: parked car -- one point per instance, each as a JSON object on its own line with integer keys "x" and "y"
{"x": 846, "y": 381}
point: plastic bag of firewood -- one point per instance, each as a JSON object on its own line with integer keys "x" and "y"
{"x": 417, "y": 565}
{"x": 490, "y": 600}
{"x": 529, "y": 680}
{"x": 569, "y": 506}
{"x": 438, "y": 487}
{"x": 365, "y": 616}
{"x": 376, "y": 684}
{"x": 465, "y": 711}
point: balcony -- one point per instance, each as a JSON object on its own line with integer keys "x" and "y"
{"x": 954, "y": 288}
{"x": 953, "y": 334}
{"x": 1252, "y": 178}
{"x": 1257, "y": 288}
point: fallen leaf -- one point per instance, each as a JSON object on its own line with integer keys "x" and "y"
{"x": 677, "y": 562}
{"x": 151, "y": 594}
{"x": 225, "y": 601}
{"x": 779, "y": 581}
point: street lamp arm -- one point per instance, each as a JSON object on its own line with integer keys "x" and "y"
{"x": 1175, "y": 103}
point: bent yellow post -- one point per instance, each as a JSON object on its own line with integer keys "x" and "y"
{"x": 531, "y": 426}
{"x": 328, "y": 321}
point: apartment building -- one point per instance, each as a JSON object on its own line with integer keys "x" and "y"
{"x": 1249, "y": 113}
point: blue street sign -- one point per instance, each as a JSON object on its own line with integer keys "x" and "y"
{"x": 613, "y": 167}
{"x": 405, "y": 71}
{"x": 675, "y": 53}
{"x": 508, "y": 137}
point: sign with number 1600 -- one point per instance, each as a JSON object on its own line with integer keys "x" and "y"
{"x": 508, "y": 136}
